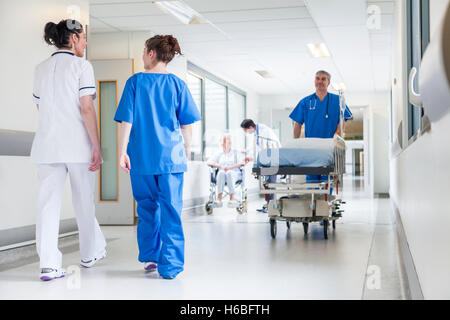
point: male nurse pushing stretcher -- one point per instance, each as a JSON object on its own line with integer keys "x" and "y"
{"x": 320, "y": 113}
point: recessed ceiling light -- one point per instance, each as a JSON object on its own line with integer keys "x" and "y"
{"x": 181, "y": 11}
{"x": 318, "y": 50}
{"x": 265, "y": 74}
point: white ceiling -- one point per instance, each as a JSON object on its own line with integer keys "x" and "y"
{"x": 249, "y": 35}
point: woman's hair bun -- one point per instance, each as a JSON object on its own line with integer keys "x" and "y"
{"x": 59, "y": 34}
{"x": 50, "y": 33}
{"x": 165, "y": 47}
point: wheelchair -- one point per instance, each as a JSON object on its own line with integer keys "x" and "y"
{"x": 240, "y": 188}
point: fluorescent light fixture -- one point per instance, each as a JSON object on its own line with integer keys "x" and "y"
{"x": 181, "y": 11}
{"x": 318, "y": 50}
{"x": 265, "y": 74}
{"x": 339, "y": 86}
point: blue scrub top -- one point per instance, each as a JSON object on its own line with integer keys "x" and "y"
{"x": 156, "y": 105}
{"x": 312, "y": 112}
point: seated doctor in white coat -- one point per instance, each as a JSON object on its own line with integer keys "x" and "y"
{"x": 66, "y": 142}
{"x": 228, "y": 162}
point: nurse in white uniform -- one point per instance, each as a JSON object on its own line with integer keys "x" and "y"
{"x": 66, "y": 142}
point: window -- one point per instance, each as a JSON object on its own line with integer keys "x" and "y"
{"x": 195, "y": 86}
{"x": 223, "y": 108}
{"x": 418, "y": 27}
{"x": 236, "y": 113}
{"x": 108, "y": 140}
{"x": 215, "y": 115}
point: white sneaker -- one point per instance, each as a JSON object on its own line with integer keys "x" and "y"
{"x": 232, "y": 204}
{"x": 90, "y": 263}
{"x": 218, "y": 204}
{"x": 48, "y": 274}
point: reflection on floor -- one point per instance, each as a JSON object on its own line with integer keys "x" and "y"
{"x": 229, "y": 256}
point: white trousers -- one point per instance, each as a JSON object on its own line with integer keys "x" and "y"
{"x": 52, "y": 178}
{"x": 229, "y": 177}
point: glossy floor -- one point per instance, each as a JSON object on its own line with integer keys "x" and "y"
{"x": 229, "y": 256}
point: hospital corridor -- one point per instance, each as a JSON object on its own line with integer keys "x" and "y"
{"x": 205, "y": 150}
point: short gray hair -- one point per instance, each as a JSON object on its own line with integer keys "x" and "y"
{"x": 325, "y": 73}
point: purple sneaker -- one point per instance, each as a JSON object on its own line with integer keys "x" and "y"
{"x": 50, "y": 274}
{"x": 150, "y": 266}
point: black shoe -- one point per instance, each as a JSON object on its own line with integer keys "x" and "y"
{"x": 263, "y": 210}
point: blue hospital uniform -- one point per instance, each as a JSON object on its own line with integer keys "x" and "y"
{"x": 157, "y": 105}
{"x": 313, "y": 114}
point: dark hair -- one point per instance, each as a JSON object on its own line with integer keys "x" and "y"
{"x": 247, "y": 124}
{"x": 165, "y": 47}
{"x": 58, "y": 35}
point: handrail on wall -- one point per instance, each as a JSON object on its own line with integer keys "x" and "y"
{"x": 15, "y": 143}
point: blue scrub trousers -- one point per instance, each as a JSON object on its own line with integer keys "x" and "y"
{"x": 160, "y": 232}
{"x": 316, "y": 178}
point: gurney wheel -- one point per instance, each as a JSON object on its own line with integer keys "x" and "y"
{"x": 209, "y": 208}
{"x": 273, "y": 228}
{"x": 288, "y": 224}
{"x": 305, "y": 227}
{"x": 325, "y": 229}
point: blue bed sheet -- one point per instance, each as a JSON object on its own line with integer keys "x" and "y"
{"x": 295, "y": 157}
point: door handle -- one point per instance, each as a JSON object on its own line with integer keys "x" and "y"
{"x": 414, "y": 97}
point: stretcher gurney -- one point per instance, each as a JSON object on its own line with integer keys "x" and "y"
{"x": 301, "y": 201}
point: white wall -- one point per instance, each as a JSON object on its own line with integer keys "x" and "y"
{"x": 419, "y": 178}
{"x": 129, "y": 45}
{"x": 21, "y": 27}
{"x": 379, "y": 146}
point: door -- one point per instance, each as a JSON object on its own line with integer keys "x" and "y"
{"x": 113, "y": 196}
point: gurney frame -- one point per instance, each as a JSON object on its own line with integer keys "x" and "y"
{"x": 325, "y": 193}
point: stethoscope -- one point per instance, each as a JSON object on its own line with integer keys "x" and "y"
{"x": 311, "y": 107}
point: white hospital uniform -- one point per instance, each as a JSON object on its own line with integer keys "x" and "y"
{"x": 230, "y": 177}
{"x": 62, "y": 146}
{"x": 263, "y": 131}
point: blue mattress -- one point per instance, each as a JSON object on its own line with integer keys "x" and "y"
{"x": 309, "y": 153}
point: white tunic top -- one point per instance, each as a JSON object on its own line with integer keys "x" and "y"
{"x": 59, "y": 83}
{"x": 263, "y": 131}
{"x": 227, "y": 159}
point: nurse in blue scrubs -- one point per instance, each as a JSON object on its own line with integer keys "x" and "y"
{"x": 156, "y": 112}
{"x": 320, "y": 113}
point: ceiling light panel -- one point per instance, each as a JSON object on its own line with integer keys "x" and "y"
{"x": 181, "y": 11}
{"x": 265, "y": 74}
{"x": 318, "y": 50}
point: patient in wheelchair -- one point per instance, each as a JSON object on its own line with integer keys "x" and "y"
{"x": 228, "y": 162}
